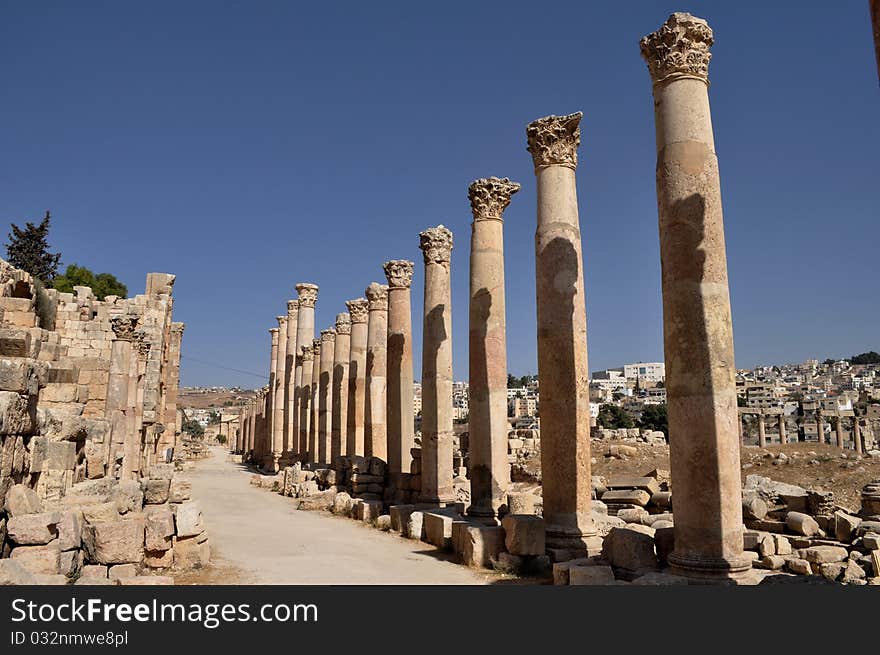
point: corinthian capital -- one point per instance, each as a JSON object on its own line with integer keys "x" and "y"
{"x": 274, "y": 333}
{"x": 358, "y": 309}
{"x": 436, "y": 244}
{"x": 308, "y": 294}
{"x": 292, "y": 307}
{"x": 377, "y": 296}
{"x": 124, "y": 327}
{"x": 282, "y": 321}
{"x": 399, "y": 273}
{"x": 328, "y": 335}
{"x": 307, "y": 353}
{"x": 490, "y": 196}
{"x": 555, "y": 140}
{"x": 680, "y": 48}
{"x": 343, "y": 323}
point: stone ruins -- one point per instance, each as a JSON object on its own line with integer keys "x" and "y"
{"x": 90, "y": 436}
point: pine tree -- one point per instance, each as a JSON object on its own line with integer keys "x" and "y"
{"x": 28, "y": 249}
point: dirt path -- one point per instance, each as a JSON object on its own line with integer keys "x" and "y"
{"x": 258, "y": 538}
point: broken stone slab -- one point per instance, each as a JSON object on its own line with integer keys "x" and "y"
{"x": 22, "y": 376}
{"x": 39, "y": 559}
{"x": 636, "y": 515}
{"x": 627, "y": 496}
{"x": 646, "y": 483}
{"x": 803, "y": 524}
{"x": 481, "y": 544}
{"x": 121, "y": 571}
{"x": 524, "y": 534}
{"x": 437, "y": 528}
{"x": 754, "y": 507}
{"x": 116, "y": 542}
{"x": 100, "y": 512}
{"x": 845, "y": 526}
{"x": 562, "y": 569}
{"x": 798, "y": 566}
{"x": 192, "y": 552}
{"x": 159, "y": 527}
{"x": 630, "y": 548}
{"x": 33, "y": 529}
{"x": 155, "y": 491}
{"x": 94, "y": 571}
{"x": 590, "y": 575}
{"x": 179, "y": 491}
{"x": 824, "y": 554}
{"x": 322, "y": 501}
{"x": 128, "y": 496}
{"x": 12, "y": 572}
{"x": 782, "y": 544}
{"x": 188, "y": 519}
{"x": 22, "y": 500}
{"x": 771, "y": 562}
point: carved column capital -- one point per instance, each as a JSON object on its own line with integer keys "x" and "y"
{"x": 436, "y": 244}
{"x": 124, "y": 327}
{"x": 358, "y": 309}
{"x": 308, "y": 294}
{"x": 399, "y": 273}
{"x": 377, "y": 296}
{"x": 489, "y": 196}
{"x": 554, "y": 140}
{"x": 328, "y": 335}
{"x": 679, "y": 49}
{"x": 343, "y": 323}
{"x": 307, "y": 354}
{"x": 292, "y": 306}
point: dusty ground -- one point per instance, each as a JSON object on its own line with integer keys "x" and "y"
{"x": 809, "y": 465}
{"x": 258, "y": 537}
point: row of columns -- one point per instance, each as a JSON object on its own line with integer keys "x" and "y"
{"x": 698, "y": 340}
{"x": 855, "y": 429}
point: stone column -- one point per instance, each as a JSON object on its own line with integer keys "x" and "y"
{"x": 783, "y": 437}
{"x": 436, "y": 245}
{"x": 489, "y": 468}
{"x": 117, "y": 406}
{"x": 820, "y": 426}
{"x": 305, "y": 332}
{"x": 375, "y": 432}
{"x": 278, "y": 403}
{"x": 399, "y": 402}
{"x": 857, "y": 436}
{"x": 266, "y": 461}
{"x": 314, "y": 419}
{"x": 562, "y": 334}
{"x": 697, "y": 327}
{"x": 170, "y": 435}
{"x": 741, "y": 428}
{"x": 307, "y": 356}
{"x": 290, "y": 436}
{"x": 357, "y": 377}
{"x": 325, "y": 399}
{"x": 252, "y": 428}
{"x": 838, "y": 430}
{"x": 762, "y": 429}
{"x": 339, "y": 417}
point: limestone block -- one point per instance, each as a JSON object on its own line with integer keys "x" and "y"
{"x": 754, "y": 507}
{"x": 44, "y": 579}
{"x": 116, "y": 542}
{"x": 71, "y": 562}
{"x": 664, "y": 543}
{"x": 875, "y": 562}
{"x": 128, "y": 496}
{"x": 159, "y": 528}
{"x": 188, "y": 519}
{"x": 798, "y": 566}
{"x": 192, "y": 552}
{"x": 871, "y": 541}
{"x": 14, "y": 342}
{"x": 562, "y": 570}
{"x": 625, "y": 482}
{"x": 845, "y": 526}
{"x": 800, "y": 523}
{"x": 342, "y": 504}
{"x": 161, "y": 472}
{"x": 627, "y": 496}
{"x": 521, "y": 502}
{"x": 52, "y": 455}
{"x": 590, "y": 575}
{"x": 437, "y": 529}
{"x": 369, "y": 510}
{"x": 630, "y": 547}
{"x": 824, "y": 554}
{"x": 524, "y": 534}
{"x": 414, "y": 525}
{"x": 33, "y": 529}
{"x": 481, "y": 545}
{"x": 94, "y": 571}
{"x": 159, "y": 559}
{"x": 383, "y": 522}
{"x": 830, "y": 570}
{"x": 15, "y": 417}
{"x": 179, "y": 491}
{"x": 39, "y": 559}
{"x": 22, "y": 500}
{"x": 21, "y": 375}
{"x": 636, "y": 515}
{"x": 399, "y": 516}
{"x": 146, "y": 580}
{"x": 156, "y": 491}
{"x": 782, "y": 544}
{"x": 321, "y": 501}
{"x": 13, "y": 573}
{"x": 100, "y": 512}
{"x": 121, "y": 571}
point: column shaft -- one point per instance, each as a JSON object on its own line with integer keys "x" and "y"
{"x": 325, "y": 398}
{"x": 357, "y": 377}
{"x": 341, "y": 358}
{"x": 375, "y": 431}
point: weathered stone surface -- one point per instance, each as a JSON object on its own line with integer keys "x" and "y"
{"x": 414, "y": 525}
{"x": 521, "y": 502}
{"x": 12, "y": 572}
{"x": 400, "y": 516}
{"x": 635, "y": 515}
{"x": 22, "y": 500}
{"x": 179, "y": 491}
{"x": 648, "y": 483}
{"x": 824, "y": 554}
{"x": 94, "y": 571}
{"x": 562, "y": 570}
{"x": 782, "y": 544}
{"x": 121, "y": 571}
{"x": 159, "y": 528}
{"x": 627, "y": 496}
{"x": 159, "y": 559}
{"x": 660, "y": 579}
{"x": 754, "y": 507}
{"x": 146, "y": 580}
{"x": 100, "y": 512}
{"x": 161, "y": 472}
{"x": 15, "y": 417}
{"x": 481, "y": 545}
{"x": 128, "y": 496}
{"x": 630, "y": 547}
{"x": 438, "y": 529}
{"x": 590, "y": 575}
{"x": 116, "y": 542}
{"x": 342, "y": 504}
{"x": 52, "y": 455}
{"x": 800, "y": 523}
{"x": 369, "y": 510}
{"x": 845, "y": 526}
{"x": 192, "y": 552}
{"x": 383, "y": 522}
{"x": 33, "y": 529}
{"x": 93, "y": 581}
{"x": 188, "y": 519}
{"x": 155, "y": 491}
{"x": 799, "y": 566}
{"x": 39, "y": 559}
{"x": 524, "y": 534}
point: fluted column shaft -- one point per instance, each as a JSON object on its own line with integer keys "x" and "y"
{"x": 357, "y": 377}
{"x": 375, "y": 428}
{"x": 697, "y": 325}
{"x": 305, "y": 400}
{"x": 290, "y": 437}
{"x": 305, "y": 333}
{"x": 339, "y": 383}
{"x": 436, "y": 245}
{"x": 314, "y": 419}
{"x": 278, "y": 403}
{"x": 399, "y": 402}
{"x": 325, "y": 398}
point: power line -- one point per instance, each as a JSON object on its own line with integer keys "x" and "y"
{"x": 225, "y": 368}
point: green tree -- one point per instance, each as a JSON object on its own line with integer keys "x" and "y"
{"x": 28, "y": 249}
{"x": 213, "y": 418}
{"x": 102, "y": 284}
{"x": 614, "y": 417}
{"x": 193, "y": 428}
{"x": 654, "y": 417}
{"x": 513, "y": 382}
{"x": 866, "y": 358}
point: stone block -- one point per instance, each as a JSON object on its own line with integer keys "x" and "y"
{"x": 161, "y": 472}
{"x": 754, "y": 507}
{"x": 179, "y": 491}
{"x": 627, "y": 496}
{"x": 591, "y": 575}
{"x": 636, "y": 515}
{"x": 803, "y": 524}
{"x": 621, "y": 482}
{"x": 524, "y": 534}
{"x": 100, "y": 512}
{"x": 191, "y": 553}
{"x": 70, "y": 562}
{"x": 438, "y": 529}
{"x": 33, "y": 529}
{"x": 121, "y": 571}
{"x": 159, "y": 559}
{"x": 13, "y": 573}
{"x": 415, "y": 525}
{"x": 400, "y": 516}
{"x": 369, "y": 510}
{"x": 383, "y": 522}
{"x": 798, "y": 566}
{"x": 116, "y": 542}
{"x": 21, "y": 376}
{"x": 824, "y": 554}
{"x": 14, "y": 342}
{"x": 481, "y": 545}
{"x": 159, "y": 528}
{"x": 146, "y": 580}
{"x": 15, "y": 415}
{"x": 128, "y": 496}
{"x": 22, "y": 500}
{"x": 342, "y": 504}
{"x": 39, "y": 559}
{"x": 562, "y": 569}
{"x": 630, "y": 547}
{"x": 94, "y": 571}
{"x": 845, "y": 526}
{"x": 782, "y": 544}
{"x": 156, "y": 490}
{"x": 188, "y": 519}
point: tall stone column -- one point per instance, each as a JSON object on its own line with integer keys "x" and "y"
{"x": 399, "y": 403}
{"x": 307, "y": 357}
{"x": 118, "y": 409}
{"x": 436, "y": 246}
{"x": 838, "y": 430}
{"x": 857, "y": 436}
{"x": 290, "y": 436}
{"x": 252, "y": 427}
{"x": 278, "y": 403}
{"x": 697, "y": 326}
{"x": 783, "y": 436}
{"x": 489, "y": 469}
{"x": 325, "y": 399}
{"x": 267, "y": 459}
{"x": 169, "y": 437}
{"x": 341, "y": 358}
{"x": 314, "y": 419}
{"x": 562, "y": 334}
{"x": 375, "y": 430}
{"x": 820, "y": 426}
{"x": 357, "y": 377}
{"x": 305, "y": 332}
{"x": 762, "y": 429}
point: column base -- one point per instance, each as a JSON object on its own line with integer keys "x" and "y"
{"x": 483, "y": 515}
{"x": 710, "y": 570}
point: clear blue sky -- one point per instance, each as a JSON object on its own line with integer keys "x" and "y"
{"x": 249, "y": 146}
